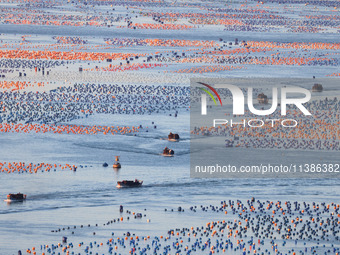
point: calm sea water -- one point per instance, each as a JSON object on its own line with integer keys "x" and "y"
{"x": 65, "y": 198}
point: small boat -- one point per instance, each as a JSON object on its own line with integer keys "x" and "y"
{"x": 317, "y": 87}
{"x": 168, "y": 152}
{"x": 167, "y": 155}
{"x": 15, "y": 197}
{"x": 262, "y": 99}
{"x": 129, "y": 184}
{"x": 116, "y": 164}
{"x": 173, "y": 137}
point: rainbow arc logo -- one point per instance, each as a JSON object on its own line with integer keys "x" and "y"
{"x": 209, "y": 93}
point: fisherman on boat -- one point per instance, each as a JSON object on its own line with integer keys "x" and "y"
{"x": 317, "y": 87}
{"x": 168, "y": 152}
{"x": 15, "y": 197}
{"x": 173, "y": 137}
{"x": 116, "y": 163}
{"x": 129, "y": 184}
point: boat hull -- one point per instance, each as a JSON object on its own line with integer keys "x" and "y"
{"x": 167, "y": 155}
{"x": 14, "y": 200}
{"x": 19, "y": 197}
{"x": 173, "y": 140}
{"x": 117, "y": 165}
{"x": 129, "y": 184}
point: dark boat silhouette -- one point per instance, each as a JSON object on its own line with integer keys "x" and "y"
{"x": 129, "y": 184}
{"x": 15, "y": 197}
{"x": 317, "y": 87}
{"x": 116, "y": 164}
{"x": 173, "y": 137}
{"x": 262, "y": 99}
{"x": 168, "y": 152}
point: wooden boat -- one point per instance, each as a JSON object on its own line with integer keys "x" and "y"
{"x": 129, "y": 184}
{"x": 168, "y": 152}
{"x": 262, "y": 99}
{"x": 173, "y": 137}
{"x": 116, "y": 164}
{"x": 15, "y": 197}
{"x": 317, "y": 87}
